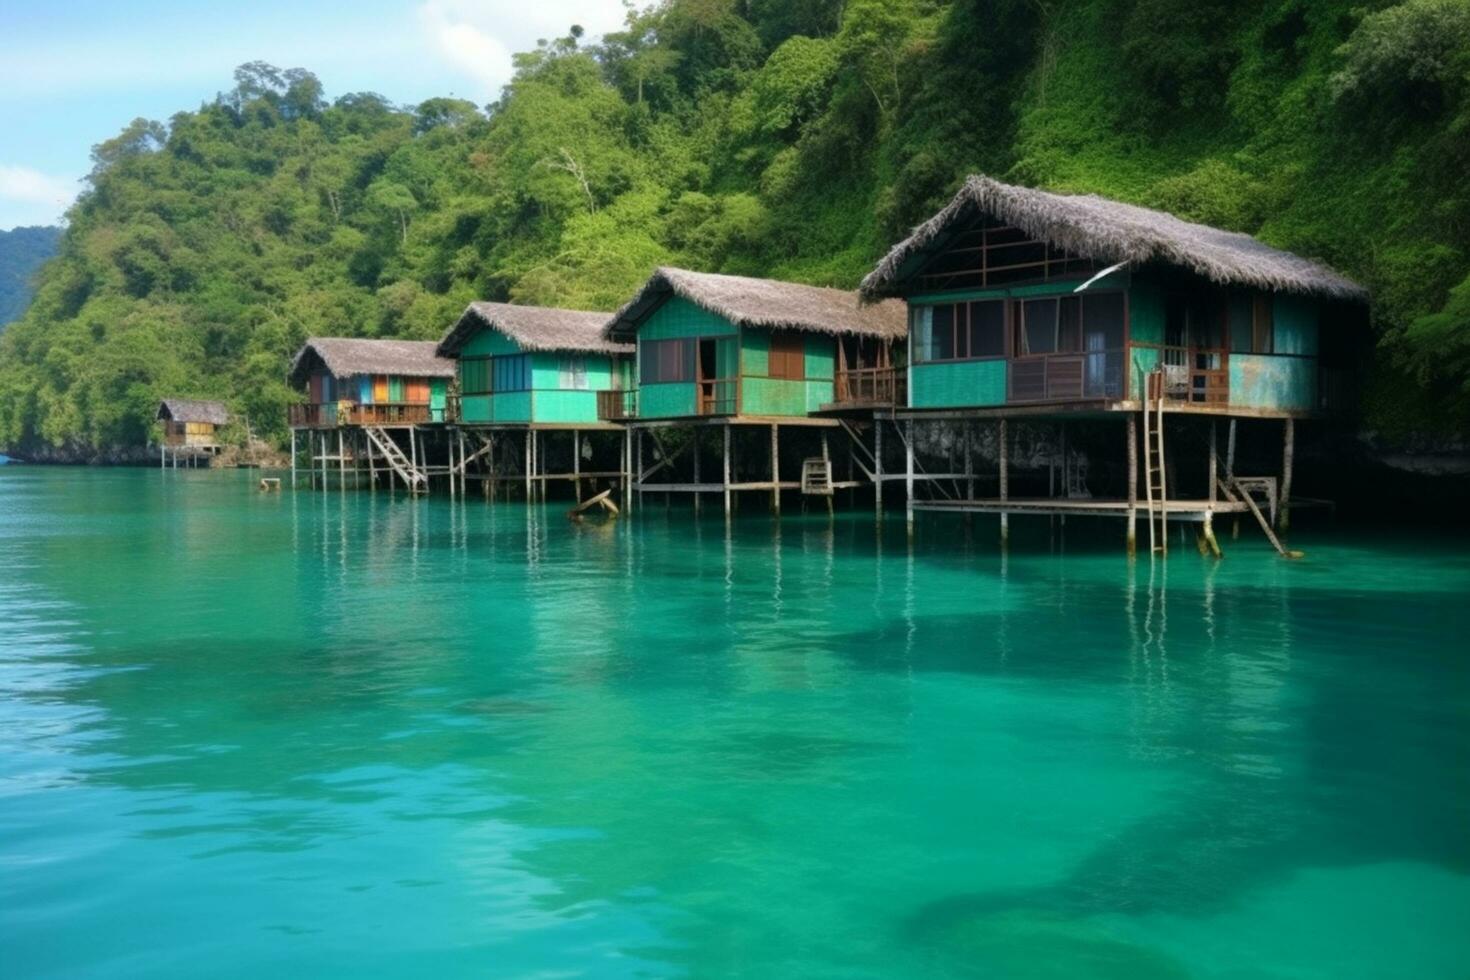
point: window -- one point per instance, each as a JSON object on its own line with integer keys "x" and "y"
{"x": 960, "y": 331}
{"x": 1037, "y": 326}
{"x": 1263, "y": 334}
{"x": 787, "y": 357}
{"x": 663, "y": 361}
{"x": 572, "y": 373}
{"x": 510, "y": 373}
{"x": 474, "y": 375}
{"x": 416, "y": 391}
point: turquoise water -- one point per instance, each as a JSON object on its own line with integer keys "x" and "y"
{"x": 324, "y": 734}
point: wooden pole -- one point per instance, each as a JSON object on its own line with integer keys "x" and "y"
{"x": 727, "y": 470}
{"x": 293, "y": 458}
{"x": 1230, "y": 474}
{"x": 1005, "y": 483}
{"x": 775, "y": 471}
{"x": 878, "y": 468}
{"x": 908, "y": 473}
{"x": 969, "y": 463}
{"x": 827, "y": 459}
{"x": 528, "y": 466}
{"x": 1208, "y": 526}
{"x": 694, "y": 434}
{"x": 638, "y": 463}
{"x": 577, "y": 462}
{"x": 1283, "y": 521}
{"x": 1132, "y": 485}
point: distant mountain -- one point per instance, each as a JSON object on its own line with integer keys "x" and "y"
{"x": 21, "y": 253}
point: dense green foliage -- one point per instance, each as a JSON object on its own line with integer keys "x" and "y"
{"x": 22, "y": 251}
{"x": 787, "y": 139}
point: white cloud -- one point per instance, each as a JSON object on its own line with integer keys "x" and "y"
{"x": 478, "y": 36}
{"x": 28, "y": 196}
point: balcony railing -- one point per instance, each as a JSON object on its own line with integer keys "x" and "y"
{"x": 881, "y": 386}
{"x": 350, "y": 413}
{"x": 616, "y": 406}
{"x": 1195, "y": 374}
{"x": 1066, "y": 377}
{"x": 717, "y": 397}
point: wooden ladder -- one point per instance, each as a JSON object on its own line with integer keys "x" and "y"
{"x": 412, "y": 476}
{"x": 1156, "y": 493}
{"x": 816, "y": 476}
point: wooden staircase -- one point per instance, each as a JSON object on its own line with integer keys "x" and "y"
{"x": 1241, "y": 489}
{"x": 1156, "y": 493}
{"x": 415, "y": 479}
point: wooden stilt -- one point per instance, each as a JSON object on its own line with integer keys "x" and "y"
{"x": 827, "y": 458}
{"x": 1230, "y": 474}
{"x": 878, "y": 468}
{"x": 726, "y": 476}
{"x": 908, "y": 473}
{"x": 694, "y": 434}
{"x": 1005, "y": 482}
{"x": 638, "y": 463}
{"x": 775, "y": 471}
{"x": 1132, "y": 485}
{"x": 577, "y": 463}
{"x": 1207, "y": 527}
{"x": 293, "y": 459}
{"x": 966, "y": 428}
{"x": 1283, "y": 520}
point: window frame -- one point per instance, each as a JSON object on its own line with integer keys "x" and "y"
{"x": 791, "y": 357}
{"x": 956, "y": 333}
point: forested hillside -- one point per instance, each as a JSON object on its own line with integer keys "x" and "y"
{"x": 768, "y": 137}
{"x": 22, "y": 251}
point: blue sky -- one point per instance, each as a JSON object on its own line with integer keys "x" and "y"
{"x": 74, "y": 72}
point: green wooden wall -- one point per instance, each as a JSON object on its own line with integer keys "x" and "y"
{"x": 759, "y": 395}
{"x": 957, "y": 384}
{"x": 547, "y": 401}
{"x": 1273, "y": 381}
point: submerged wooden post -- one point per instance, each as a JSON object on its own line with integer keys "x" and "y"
{"x": 908, "y": 473}
{"x": 628, "y": 470}
{"x": 727, "y": 469}
{"x": 775, "y": 470}
{"x": 638, "y": 463}
{"x": 1288, "y": 448}
{"x": 1005, "y": 483}
{"x": 528, "y": 464}
{"x": 1132, "y": 485}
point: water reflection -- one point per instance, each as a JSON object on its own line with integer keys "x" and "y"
{"x": 661, "y": 743}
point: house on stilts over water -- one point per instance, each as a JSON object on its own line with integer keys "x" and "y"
{"x": 373, "y": 406}
{"x": 735, "y": 354}
{"x": 540, "y": 391}
{"x": 1054, "y": 308}
{"x": 190, "y": 430}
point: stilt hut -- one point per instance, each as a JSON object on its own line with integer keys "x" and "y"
{"x": 190, "y": 429}
{"x": 535, "y": 365}
{"x": 1024, "y": 303}
{"x": 732, "y": 351}
{"x": 354, "y": 381}
{"x": 732, "y": 346}
{"x": 365, "y": 402}
{"x": 538, "y": 376}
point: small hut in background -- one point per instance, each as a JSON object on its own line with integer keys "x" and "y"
{"x": 190, "y": 430}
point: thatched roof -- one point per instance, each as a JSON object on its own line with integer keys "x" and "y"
{"x": 192, "y": 410}
{"x": 533, "y": 328}
{"x": 345, "y": 356}
{"x": 764, "y": 303}
{"x": 1110, "y": 231}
